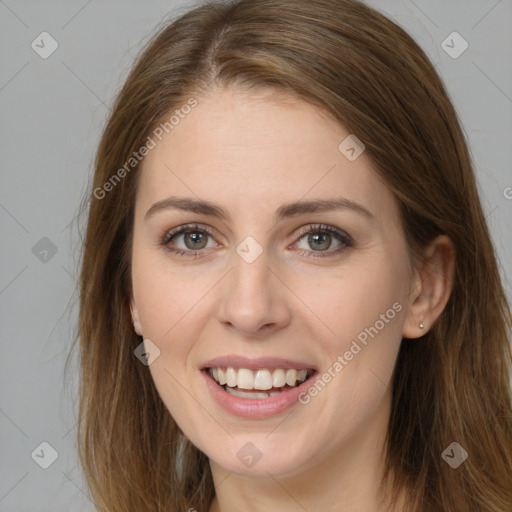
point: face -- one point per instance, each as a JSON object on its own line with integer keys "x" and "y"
{"x": 234, "y": 280}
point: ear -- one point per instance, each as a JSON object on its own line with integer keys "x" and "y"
{"x": 431, "y": 287}
{"x": 135, "y": 315}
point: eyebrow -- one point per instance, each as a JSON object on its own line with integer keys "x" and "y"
{"x": 284, "y": 211}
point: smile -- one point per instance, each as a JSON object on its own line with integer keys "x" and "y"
{"x": 266, "y": 382}
{"x": 256, "y": 388}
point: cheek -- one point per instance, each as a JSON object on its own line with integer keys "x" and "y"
{"x": 169, "y": 303}
{"x": 354, "y": 303}
{"x": 360, "y": 310}
{"x": 166, "y": 295}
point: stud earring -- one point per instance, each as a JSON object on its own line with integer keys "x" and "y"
{"x": 421, "y": 326}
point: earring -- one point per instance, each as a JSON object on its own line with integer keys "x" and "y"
{"x": 421, "y": 325}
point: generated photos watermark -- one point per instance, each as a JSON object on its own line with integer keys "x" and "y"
{"x": 137, "y": 156}
{"x": 344, "y": 359}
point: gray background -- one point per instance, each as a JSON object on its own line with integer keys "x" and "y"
{"x": 51, "y": 115}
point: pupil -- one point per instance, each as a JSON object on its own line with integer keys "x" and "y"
{"x": 322, "y": 238}
{"x": 196, "y": 238}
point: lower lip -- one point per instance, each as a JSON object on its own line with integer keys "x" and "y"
{"x": 255, "y": 408}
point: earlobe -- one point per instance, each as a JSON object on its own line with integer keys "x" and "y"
{"x": 137, "y": 327}
{"x": 135, "y": 317}
{"x": 432, "y": 288}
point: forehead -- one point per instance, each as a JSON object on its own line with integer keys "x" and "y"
{"x": 249, "y": 149}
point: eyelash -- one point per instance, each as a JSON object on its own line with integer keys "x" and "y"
{"x": 342, "y": 237}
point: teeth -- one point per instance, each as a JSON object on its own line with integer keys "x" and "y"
{"x": 279, "y": 378}
{"x": 231, "y": 377}
{"x": 291, "y": 377}
{"x": 246, "y": 394}
{"x": 262, "y": 379}
{"x": 244, "y": 380}
{"x": 250, "y": 394}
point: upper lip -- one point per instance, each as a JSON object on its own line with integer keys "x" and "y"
{"x": 235, "y": 361}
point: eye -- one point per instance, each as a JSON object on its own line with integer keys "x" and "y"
{"x": 321, "y": 237}
{"x": 194, "y": 239}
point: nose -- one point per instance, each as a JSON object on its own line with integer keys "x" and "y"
{"x": 254, "y": 299}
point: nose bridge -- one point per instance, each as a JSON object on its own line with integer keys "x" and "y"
{"x": 251, "y": 260}
{"x": 252, "y": 300}
{"x": 249, "y": 280}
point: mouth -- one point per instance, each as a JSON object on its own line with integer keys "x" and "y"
{"x": 259, "y": 384}
{"x": 256, "y": 388}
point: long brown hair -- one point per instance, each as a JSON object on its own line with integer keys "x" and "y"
{"x": 351, "y": 61}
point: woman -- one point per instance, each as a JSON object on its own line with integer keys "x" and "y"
{"x": 289, "y": 295}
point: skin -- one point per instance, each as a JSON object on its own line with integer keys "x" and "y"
{"x": 251, "y": 152}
